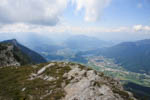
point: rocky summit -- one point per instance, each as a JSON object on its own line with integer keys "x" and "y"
{"x": 13, "y": 53}
{"x": 59, "y": 81}
{"x": 7, "y": 56}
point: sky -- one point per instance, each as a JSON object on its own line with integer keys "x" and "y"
{"x": 106, "y": 19}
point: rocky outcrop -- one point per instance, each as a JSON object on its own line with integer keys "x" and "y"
{"x": 14, "y": 54}
{"x": 7, "y": 57}
{"x": 59, "y": 81}
{"x": 78, "y": 82}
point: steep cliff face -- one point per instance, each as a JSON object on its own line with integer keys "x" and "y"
{"x": 7, "y": 56}
{"x": 14, "y": 54}
{"x": 59, "y": 81}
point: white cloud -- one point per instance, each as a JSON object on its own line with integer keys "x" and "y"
{"x": 141, "y": 28}
{"x": 147, "y": 28}
{"x": 93, "y": 8}
{"x": 19, "y": 27}
{"x": 104, "y": 33}
{"x": 137, "y": 27}
{"x": 45, "y": 12}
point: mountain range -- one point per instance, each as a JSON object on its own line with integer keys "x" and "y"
{"x": 53, "y": 80}
{"x": 133, "y": 56}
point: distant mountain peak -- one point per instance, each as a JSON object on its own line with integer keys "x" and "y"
{"x": 12, "y": 41}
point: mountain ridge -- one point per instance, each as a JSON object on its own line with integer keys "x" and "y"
{"x": 20, "y": 54}
{"x": 59, "y": 81}
{"x": 133, "y": 56}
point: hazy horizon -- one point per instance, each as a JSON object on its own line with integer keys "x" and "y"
{"x": 108, "y": 20}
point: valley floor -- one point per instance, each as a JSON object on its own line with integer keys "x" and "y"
{"x": 109, "y": 68}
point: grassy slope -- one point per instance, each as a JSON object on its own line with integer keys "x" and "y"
{"x": 14, "y": 79}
